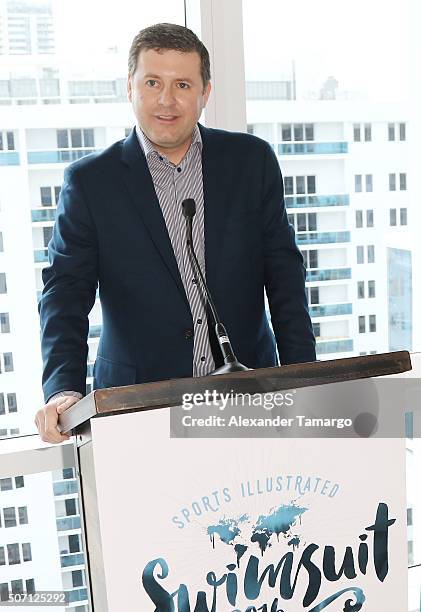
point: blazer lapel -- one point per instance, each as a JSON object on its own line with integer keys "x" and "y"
{"x": 215, "y": 190}
{"x": 139, "y": 183}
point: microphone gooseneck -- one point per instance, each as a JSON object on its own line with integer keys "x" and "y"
{"x": 231, "y": 363}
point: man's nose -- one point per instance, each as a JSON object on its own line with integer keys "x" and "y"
{"x": 166, "y": 96}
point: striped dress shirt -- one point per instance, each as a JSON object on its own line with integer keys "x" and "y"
{"x": 173, "y": 184}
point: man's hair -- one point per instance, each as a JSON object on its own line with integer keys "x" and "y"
{"x": 169, "y": 36}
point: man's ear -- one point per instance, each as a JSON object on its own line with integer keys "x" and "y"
{"x": 129, "y": 88}
{"x": 206, "y": 93}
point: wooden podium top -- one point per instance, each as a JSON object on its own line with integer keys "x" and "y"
{"x": 168, "y": 393}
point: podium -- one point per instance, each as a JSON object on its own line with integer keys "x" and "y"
{"x": 255, "y": 512}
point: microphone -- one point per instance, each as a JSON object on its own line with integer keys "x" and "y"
{"x": 231, "y": 363}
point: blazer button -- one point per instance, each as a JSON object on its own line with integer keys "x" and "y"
{"x": 188, "y": 334}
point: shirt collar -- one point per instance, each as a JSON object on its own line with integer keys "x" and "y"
{"x": 150, "y": 151}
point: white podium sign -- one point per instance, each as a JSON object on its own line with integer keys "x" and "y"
{"x": 235, "y": 525}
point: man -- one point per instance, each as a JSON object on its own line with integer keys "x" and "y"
{"x": 119, "y": 222}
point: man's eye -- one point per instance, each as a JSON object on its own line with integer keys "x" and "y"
{"x": 151, "y": 82}
{"x": 183, "y": 85}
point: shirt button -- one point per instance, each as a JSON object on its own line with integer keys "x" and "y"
{"x": 188, "y": 334}
{"x": 199, "y": 321}
{"x": 161, "y": 158}
{"x": 203, "y": 358}
{"x": 178, "y": 169}
{"x": 194, "y": 281}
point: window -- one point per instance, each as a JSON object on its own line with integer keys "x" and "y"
{"x": 367, "y": 132}
{"x": 370, "y": 218}
{"x": 402, "y": 131}
{"x": 23, "y": 515}
{"x": 77, "y": 578}
{"x": 286, "y": 132}
{"x": 357, "y": 132}
{"x": 391, "y": 131}
{"x": 2, "y": 409}
{"x": 369, "y": 182}
{"x": 314, "y": 295}
{"x": 1, "y": 243}
{"x": 74, "y": 543}
{"x": 62, "y": 139}
{"x": 371, "y": 289}
{"x": 409, "y": 520}
{"x": 11, "y": 402}
{"x": 316, "y": 330}
{"x": 360, "y": 289}
{"x": 8, "y": 362}
{"x": 17, "y": 586}
{"x": 10, "y": 141}
{"x": 2, "y": 556}
{"x": 370, "y": 253}
{"x": 361, "y": 325}
{"x": 4, "y": 323}
{"x": 19, "y": 482}
{"x": 5, "y": 484}
{"x": 309, "y": 131}
{"x": 311, "y": 184}
{"x": 360, "y": 254}
{"x": 392, "y": 216}
{"x": 300, "y": 185}
{"x": 3, "y": 285}
{"x": 70, "y": 505}
{"x": 4, "y": 591}
{"x": 75, "y": 138}
{"x": 26, "y": 551}
{"x": 68, "y": 473}
{"x": 360, "y": 129}
{"x": 310, "y": 259}
{"x": 298, "y": 132}
{"x": 13, "y": 554}
{"x": 392, "y": 182}
{"x": 289, "y": 185}
{"x": 30, "y": 585}
{"x": 372, "y": 323}
{"x": 46, "y": 199}
{"x": 358, "y": 183}
{"x": 9, "y": 515}
{"x": 403, "y": 216}
{"x": 358, "y": 218}
{"x": 402, "y": 181}
{"x": 57, "y": 190}
{"x": 47, "y": 234}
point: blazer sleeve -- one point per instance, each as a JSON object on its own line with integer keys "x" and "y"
{"x": 284, "y": 273}
{"x": 70, "y": 282}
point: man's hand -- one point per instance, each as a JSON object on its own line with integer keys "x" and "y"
{"x": 46, "y": 419}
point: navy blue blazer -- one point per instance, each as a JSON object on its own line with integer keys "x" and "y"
{"x": 110, "y": 230}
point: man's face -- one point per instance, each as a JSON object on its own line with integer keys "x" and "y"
{"x": 167, "y": 95}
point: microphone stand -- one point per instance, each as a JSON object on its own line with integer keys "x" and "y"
{"x": 231, "y": 363}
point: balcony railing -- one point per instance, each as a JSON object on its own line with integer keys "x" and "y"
{"x": 9, "y": 158}
{"x": 328, "y": 274}
{"x": 304, "y": 201}
{"x": 72, "y": 559}
{"x": 312, "y": 148}
{"x": 76, "y": 595}
{"x": 66, "y": 523}
{"x": 334, "y": 346}
{"x": 329, "y": 310}
{"x": 47, "y": 214}
{"x": 322, "y": 237}
{"x": 59, "y": 156}
{"x": 65, "y": 488}
{"x": 40, "y": 255}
